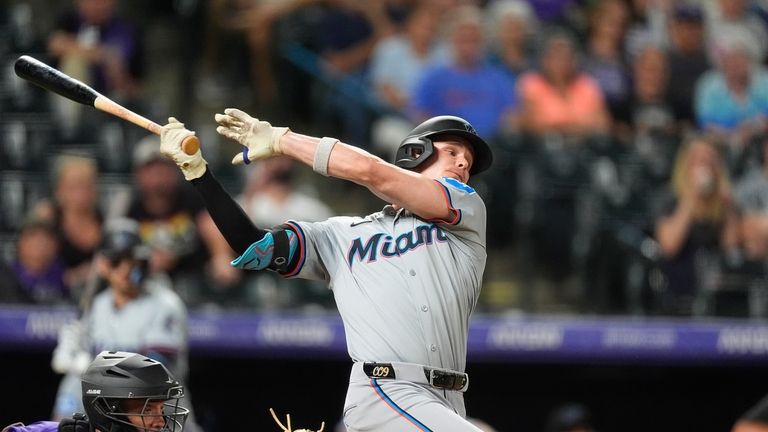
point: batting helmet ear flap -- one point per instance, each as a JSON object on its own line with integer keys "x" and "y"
{"x": 413, "y": 151}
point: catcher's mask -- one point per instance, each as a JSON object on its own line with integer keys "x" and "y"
{"x": 417, "y": 146}
{"x": 115, "y": 377}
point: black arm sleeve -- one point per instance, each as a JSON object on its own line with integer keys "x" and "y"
{"x": 236, "y": 227}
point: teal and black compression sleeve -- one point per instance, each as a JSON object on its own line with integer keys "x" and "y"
{"x": 257, "y": 248}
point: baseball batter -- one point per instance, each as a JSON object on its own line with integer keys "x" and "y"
{"x": 405, "y": 279}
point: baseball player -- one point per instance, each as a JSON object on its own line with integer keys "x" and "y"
{"x": 405, "y": 279}
{"x": 139, "y": 313}
{"x": 122, "y": 391}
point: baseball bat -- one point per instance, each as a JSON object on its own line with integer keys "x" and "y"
{"x": 54, "y": 80}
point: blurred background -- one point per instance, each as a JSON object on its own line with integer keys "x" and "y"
{"x": 627, "y": 204}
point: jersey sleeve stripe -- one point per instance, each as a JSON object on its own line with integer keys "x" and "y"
{"x": 456, "y": 212}
{"x": 302, "y": 251}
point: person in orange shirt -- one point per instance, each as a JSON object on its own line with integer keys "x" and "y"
{"x": 560, "y": 98}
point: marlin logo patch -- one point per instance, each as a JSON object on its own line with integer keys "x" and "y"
{"x": 386, "y": 246}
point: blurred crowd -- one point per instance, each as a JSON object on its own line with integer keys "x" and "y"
{"x": 630, "y": 140}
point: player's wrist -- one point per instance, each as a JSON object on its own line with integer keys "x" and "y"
{"x": 194, "y": 169}
{"x": 277, "y": 135}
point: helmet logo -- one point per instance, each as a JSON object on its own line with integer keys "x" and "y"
{"x": 470, "y": 129}
{"x": 93, "y": 391}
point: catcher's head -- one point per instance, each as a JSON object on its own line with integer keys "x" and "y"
{"x": 417, "y": 147}
{"x": 128, "y": 392}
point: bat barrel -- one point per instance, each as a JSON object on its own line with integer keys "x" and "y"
{"x": 45, "y": 76}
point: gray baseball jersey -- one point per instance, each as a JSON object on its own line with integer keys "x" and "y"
{"x": 156, "y": 321}
{"x": 405, "y": 287}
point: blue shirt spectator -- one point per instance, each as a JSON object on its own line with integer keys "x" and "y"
{"x": 481, "y": 95}
{"x": 734, "y": 96}
{"x": 400, "y": 60}
{"x": 467, "y": 86}
{"x": 717, "y": 105}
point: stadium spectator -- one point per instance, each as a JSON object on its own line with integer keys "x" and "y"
{"x": 259, "y": 21}
{"x": 647, "y": 25}
{"x": 695, "y": 224}
{"x": 732, "y": 99}
{"x": 558, "y": 97}
{"x": 604, "y": 59}
{"x": 399, "y": 60}
{"x": 467, "y": 86}
{"x": 185, "y": 243}
{"x": 513, "y": 28}
{"x": 725, "y": 16}
{"x": 346, "y": 36}
{"x": 687, "y": 57}
{"x": 95, "y": 44}
{"x": 36, "y": 276}
{"x": 647, "y": 111}
{"x": 76, "y": 214}
{"x": 271, "y": 195}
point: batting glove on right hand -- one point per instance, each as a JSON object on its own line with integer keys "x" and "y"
{"x": 259, "y": 139}
{"x": 172, "y": 136}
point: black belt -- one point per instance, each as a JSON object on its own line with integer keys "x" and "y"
{"x": 439, "y": 378}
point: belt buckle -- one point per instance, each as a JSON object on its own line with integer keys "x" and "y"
{"x": 446, "y": 380}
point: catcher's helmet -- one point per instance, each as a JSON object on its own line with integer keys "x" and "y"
{"x": 417, "y": 146}
{"x": 115, "y": 376}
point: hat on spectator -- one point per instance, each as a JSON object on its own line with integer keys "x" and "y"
{"x": 147, "y": 150}
{"x": 688, "y": 12}
{"x": 36, "y": 223}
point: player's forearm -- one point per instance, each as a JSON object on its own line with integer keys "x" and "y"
{"x": 229, "y": 217}
{"x": 346, "y": 162}
{"x": 394, "y": 185}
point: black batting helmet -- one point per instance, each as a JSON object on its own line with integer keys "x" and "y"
{"x": 115, "y": 376}
{"x": 417, "y": 146}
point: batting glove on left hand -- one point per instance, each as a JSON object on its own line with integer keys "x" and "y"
{"x": 171, "y": 137}
{"x": 259, "y": 139}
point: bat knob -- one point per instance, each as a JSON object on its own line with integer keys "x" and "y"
{"x": 190, "y": 145}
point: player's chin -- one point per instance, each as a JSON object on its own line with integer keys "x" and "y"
{"x": 456, "y": 176}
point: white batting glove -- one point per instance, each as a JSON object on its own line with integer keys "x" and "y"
{"x": 171, "y": 137}
{"x": 259, "y": 139}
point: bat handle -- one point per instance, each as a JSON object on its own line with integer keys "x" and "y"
{"x": 190, "y": 145}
